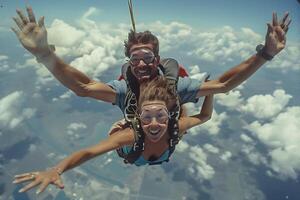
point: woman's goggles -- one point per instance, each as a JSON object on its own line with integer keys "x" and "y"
{"x": 161, "y": 116}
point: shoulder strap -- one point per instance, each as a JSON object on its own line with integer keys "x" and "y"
{"x": 138, "y": 146}
{"x": 170, "y": 68}
{"x": 124, "y": 70}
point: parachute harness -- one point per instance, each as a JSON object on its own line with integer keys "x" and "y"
{"x": 130, "y": 112}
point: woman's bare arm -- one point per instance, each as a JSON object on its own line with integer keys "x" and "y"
{"x": 205, "y": 114}
{"x": 114, "y": 141}
{"x": 52, "y": 176}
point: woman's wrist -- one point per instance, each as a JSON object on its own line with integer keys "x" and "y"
{"x": 58, "y": 170}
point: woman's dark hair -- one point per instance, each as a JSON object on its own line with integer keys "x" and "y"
{"x": 145, "y": 37}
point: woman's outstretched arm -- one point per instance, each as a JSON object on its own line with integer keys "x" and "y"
{"x": 52, "y": 175}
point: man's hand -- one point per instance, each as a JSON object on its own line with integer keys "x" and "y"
{"x": 275, "y": 38}
{"x": 43, "y": 178}
{"x": 32, "y": 35}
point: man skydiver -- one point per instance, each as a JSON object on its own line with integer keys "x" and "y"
{"x": 143, "y": 51}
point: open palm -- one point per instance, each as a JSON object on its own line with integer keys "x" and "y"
{"x": 276, "y": 35}
{"x": 32, "y": 35}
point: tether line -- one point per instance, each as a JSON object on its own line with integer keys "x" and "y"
{"x": 131, "y": 15}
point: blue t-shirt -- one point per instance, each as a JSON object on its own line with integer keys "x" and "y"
{"x": 187, "y": 90}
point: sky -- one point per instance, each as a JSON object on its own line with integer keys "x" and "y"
{"x": 248, "y": 150}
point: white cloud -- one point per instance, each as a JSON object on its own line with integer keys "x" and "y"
{"x": 32, "y": 147}
{"x": 5, "y": 67}
{"x": 63, "y": 34}
{"x": 182, "y": 146}
{"x": 226, "y": 156}
{"x": 12, "y": 111}
{"x": 246, "y": 138}
{"x": 266, "y": 106}
{"x": 200, "y": 169}
{"x": 249, "y": 33}
{"x": 224, "y": 45}
{"x": 3, "y": 57}
{"x": 4, "y": 64}
{"x": 212, "y": 126}
{"x": 232, "y": 100}
{"x": 95, "y": 63}
{"x": 281, "y": 137}
{"x": 73, "y": 127}
{"x": 168, "y": 33}
{"x": 210, "y": 148}
{"x": 65, "y": 95}
{"x": 253, "y": 155}
{"x": 85, "y": 21}
{"x": 195, "y": 73}
{"x": 51, "y": 155}
{"x": 288, "y": 59}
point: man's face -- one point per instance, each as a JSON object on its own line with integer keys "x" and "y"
{"x": 143, "y": 62}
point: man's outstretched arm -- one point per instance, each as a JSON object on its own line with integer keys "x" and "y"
{"x": 275, "y": 42}
{"x": 33, "y": 37}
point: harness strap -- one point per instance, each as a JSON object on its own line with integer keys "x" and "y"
{"x": 170, "y": 68}
{"x": 138, "y": 146}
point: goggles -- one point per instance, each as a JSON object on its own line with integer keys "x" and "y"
{"x": 160, "y": 114}
{"x": 147, "y": 57}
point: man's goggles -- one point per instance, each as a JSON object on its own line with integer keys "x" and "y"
{"x": 147, "y": 57}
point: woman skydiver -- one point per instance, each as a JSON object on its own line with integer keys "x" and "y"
{"x": 156, "y": 98}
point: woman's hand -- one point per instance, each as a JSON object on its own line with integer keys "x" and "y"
{"x": 42, "y": 178}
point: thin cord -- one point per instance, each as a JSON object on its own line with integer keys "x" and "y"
{"x": 131, "y": 14}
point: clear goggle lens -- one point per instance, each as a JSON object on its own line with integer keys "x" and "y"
{"x": 161, "y": 117}
{"x": 147, "y": 58}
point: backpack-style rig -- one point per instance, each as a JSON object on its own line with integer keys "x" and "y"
{"x": 171, "y": 70}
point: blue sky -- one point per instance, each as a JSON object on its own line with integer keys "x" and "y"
{"x": 202, "y": 14}
{"x": 245, "y": 151}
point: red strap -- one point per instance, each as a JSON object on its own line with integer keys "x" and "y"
{"x": 182, "y": 71}
{"x": 121, "y": 77}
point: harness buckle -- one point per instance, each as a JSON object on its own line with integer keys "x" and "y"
{"x": 136, "y": 145}
{"x": 173, "y": 142}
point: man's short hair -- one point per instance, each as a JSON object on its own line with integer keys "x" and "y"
{"x": 145, "y": 37}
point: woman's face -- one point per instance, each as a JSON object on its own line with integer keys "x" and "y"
{"x": 154, "y": 119}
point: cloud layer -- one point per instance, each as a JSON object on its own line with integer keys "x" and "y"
{"x": 12, "y": 111}
{"x": 281, "y": 137}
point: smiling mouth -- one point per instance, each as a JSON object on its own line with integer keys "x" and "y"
{"x": 143, "y": 73}
{"x": 154, "y": 132}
